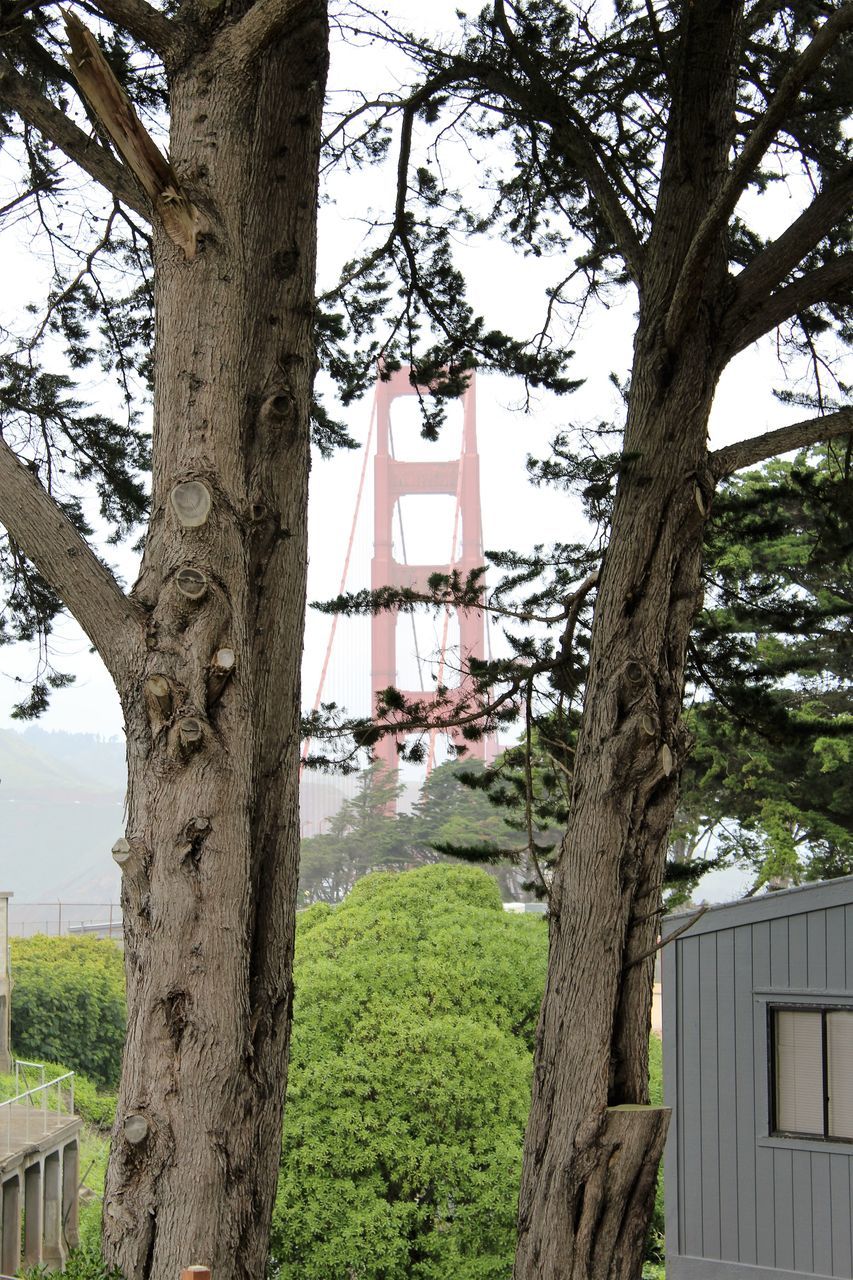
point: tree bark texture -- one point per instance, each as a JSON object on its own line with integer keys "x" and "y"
{"x": 580, "y": 1216}
{"x": 209, "y": 887}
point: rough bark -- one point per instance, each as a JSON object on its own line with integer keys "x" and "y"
{"x": 209, "y": 890}
{"x": 592, "y": 1041}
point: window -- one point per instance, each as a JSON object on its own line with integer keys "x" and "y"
{"x": 812, "y": 1072}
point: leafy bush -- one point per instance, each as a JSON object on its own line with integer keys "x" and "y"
{"x": 68, "y": 1004}
{"x": 416, "y": 1003}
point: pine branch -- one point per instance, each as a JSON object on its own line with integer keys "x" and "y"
{"x": 54, "y": 125}
{"x": 65, "y": 560}
{"x": 825, "y": 284}
{"x": 746, "y": 164}
{"x": 574, "y": 140}
{"x": 782, "y": 255}
{"x": 797, "y": 435}
{"x": 146, "y": 24}
{"x": 409, "y": 110}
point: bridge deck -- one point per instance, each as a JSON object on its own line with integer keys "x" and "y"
{"x": 22, "y": 1127}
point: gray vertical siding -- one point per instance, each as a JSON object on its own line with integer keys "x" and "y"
{"x": 727, "y": 1068}
{"x": 744, "y": 1099}
{"x": 733, "y": 1198}
{"x": 690, "y": 1104}
{"x": 707, "y": 1173}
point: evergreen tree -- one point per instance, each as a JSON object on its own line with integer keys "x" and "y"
{"x": 770, "y": 772}
{"x": 206, "y": 239}
{"x": 767, "y": 783}
{"x": 416, "y": 1006}
{"x": 364, "y": 835}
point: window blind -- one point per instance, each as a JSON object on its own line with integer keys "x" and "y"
{"x": 799, "y": 1071}
{"x": 839, "y": 1052}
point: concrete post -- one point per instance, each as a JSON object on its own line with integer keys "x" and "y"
{"x": 33, "y": 1215}
{"x": 70, "y": 1178}
{"x": 10, "y": 1217}
{"x": 53, "y": 1252}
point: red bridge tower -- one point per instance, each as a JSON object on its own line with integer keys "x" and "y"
{"x": 393, "y": 479}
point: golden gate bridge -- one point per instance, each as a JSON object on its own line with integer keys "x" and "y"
{"x": 402, "y": 488}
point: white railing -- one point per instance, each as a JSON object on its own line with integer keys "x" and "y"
{"x": 21, "y": 1066}
{"x": 28, "y": 1114}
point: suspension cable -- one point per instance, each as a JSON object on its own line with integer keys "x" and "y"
{"x": 433, "y": 733}
{"x": 345, "y": 573}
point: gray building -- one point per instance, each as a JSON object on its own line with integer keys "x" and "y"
{"x": 758, "y": 1069}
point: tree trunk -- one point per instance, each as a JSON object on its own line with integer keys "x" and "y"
{"x": 580, "y": 1217}
{"x": 209, "y": 888}
{"x": 592, "y": 1040}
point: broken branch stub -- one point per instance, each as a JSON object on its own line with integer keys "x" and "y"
{"x": 222, "y": 667}
{"x": 182, "y": 221}
{"x": 158, "y": 692}
{"x": 191, "y": 503}
{"x": 122, "y": 851}
{"x": 191, "y": 582}
{"x": 136, "y": 1129}
{"x": 190, "y": 733}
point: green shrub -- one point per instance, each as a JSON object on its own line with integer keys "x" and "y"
{"x": 68, "y": 1004}
{"x": 94, "y": 1152}
{"x": 416, "y": 1002}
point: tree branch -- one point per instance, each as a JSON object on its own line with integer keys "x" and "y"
{"x": 574, "y": 142}
{"x": 782, "y": 255}
{"x": 647, "y": 955}
{"x": 797, "y": 435}
{"x": 409, "y": 109}
{"x": 181, "y": 220}
{"x": 145, "y": 23}
{"x": 820, "y": 285}
{"x": 54, "y": 125}
{"x": 751, "y": 154}
{"x": 265, "y": 22}
{"x": 48, "y": 538}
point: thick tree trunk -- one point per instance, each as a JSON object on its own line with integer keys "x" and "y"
{"x": 580, "y": 1216}
{"x": 588, "y": 1182}
{"x": 209, "y": 887}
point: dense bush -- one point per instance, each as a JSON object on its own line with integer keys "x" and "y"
{"x": 416, "y": 1002}
{"x": 68, "y": 1004}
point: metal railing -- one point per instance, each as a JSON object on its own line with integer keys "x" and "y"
{"x": 21, "y": 1066}
{"x": 28, "y": 1114}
